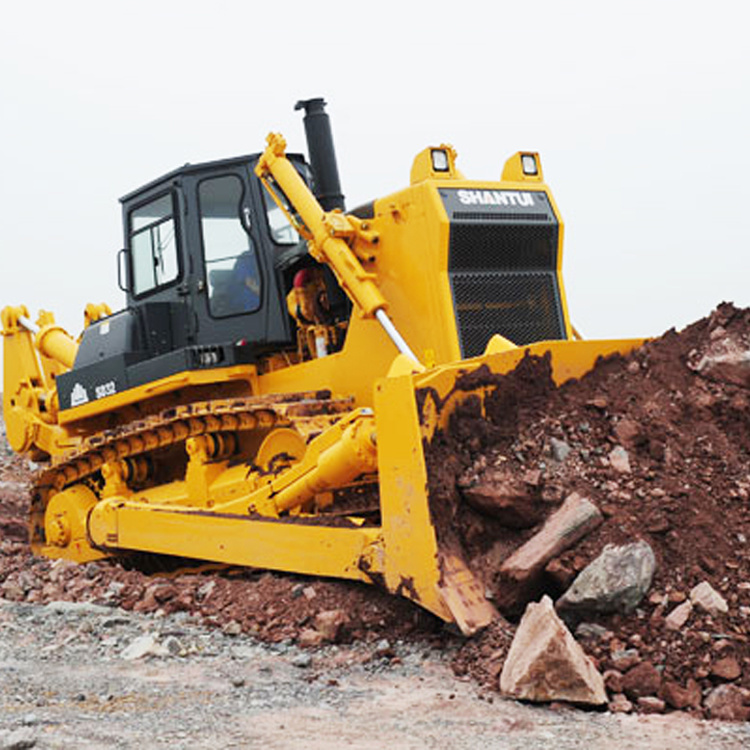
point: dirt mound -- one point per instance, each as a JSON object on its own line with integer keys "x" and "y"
{"x": 658, "y": 441}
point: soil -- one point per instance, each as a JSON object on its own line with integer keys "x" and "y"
{"x": 685, "y": 489}
{"x": 684, "y": 430}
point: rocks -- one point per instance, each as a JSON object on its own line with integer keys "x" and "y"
{"x": 726, "y": 669}
{"x": 728, "y": 702}
{"x": 619, "y": 460}
{"x": 677, "y": 618}
{"x": 613, "y": 681}
{"x": 706, "y": 598}
{"x": 145, "y": 645}
{"x": 642, "y": 680}
{"x": 559, "y": 449}
{"x": 726, "y": 360}
{"x": 19, "y": 739}
{"x": 545, "y": 663}
{"x": 680, "y": 697}
{"x": 232, "y": 628}
{"x": 87, "y": 608}
{"x": 331, "y": 623}
{"x": 573, "y": 520}
{"x": 302, "y": 661}
{"x": 624, "y": 659}
{"x": 616, "y": 581}
{"x": 627, "y": 432}
{"x": 310, "y": 638}
{"x": 649, "y": 704}
{"x": 503, "y": 495}
{"x": 620, "y": 704}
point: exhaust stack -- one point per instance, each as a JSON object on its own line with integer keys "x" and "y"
{"x": 322, "y": 154}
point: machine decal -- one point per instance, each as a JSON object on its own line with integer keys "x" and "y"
{"x": 107, "y": 389}
{"x": 78, "y": 395}
{"x": 495, "y": 198}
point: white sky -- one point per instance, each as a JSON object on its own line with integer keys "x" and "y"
{"x": 640, "y": 110}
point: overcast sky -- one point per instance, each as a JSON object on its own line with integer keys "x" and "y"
{"x": 640, "y": 110}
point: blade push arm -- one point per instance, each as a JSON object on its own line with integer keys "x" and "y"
{"x": 328, "y": 235}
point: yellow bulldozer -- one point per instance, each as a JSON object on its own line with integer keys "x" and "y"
{"x": 260, "y": 400}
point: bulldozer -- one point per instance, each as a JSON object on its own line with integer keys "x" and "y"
{"x": 260, "y": 399}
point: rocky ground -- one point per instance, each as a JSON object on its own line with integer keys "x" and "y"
{"x": 657, "y": 444}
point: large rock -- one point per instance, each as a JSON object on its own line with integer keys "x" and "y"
{"x": 545, "y": 662}
{"x": 725, "y": 360}
{"x": 517, "y": 577}
{"x": 616, "y": 581}
{"x": 504, "y": 495}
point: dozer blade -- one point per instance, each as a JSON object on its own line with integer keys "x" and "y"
{"x": 422, "y": 555}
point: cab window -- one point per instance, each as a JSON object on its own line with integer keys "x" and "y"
{"x": 229, "y": 253}
{"x": 282, "y": 232}
{"x": 153, "y": 245}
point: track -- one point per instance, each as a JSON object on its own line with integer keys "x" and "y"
{"x": 309, "y": 413}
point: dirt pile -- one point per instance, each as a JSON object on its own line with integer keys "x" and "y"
{"x": 657, "y": 441}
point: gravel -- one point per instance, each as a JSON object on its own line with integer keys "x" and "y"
{"x": 66, "y": 680}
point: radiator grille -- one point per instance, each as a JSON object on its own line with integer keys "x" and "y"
{"x": 479, "y": 247}
{"x": 523, "y": 307}
{"x": 504, "y": 281}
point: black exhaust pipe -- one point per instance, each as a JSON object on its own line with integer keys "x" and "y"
{"x": 322, "y": 154}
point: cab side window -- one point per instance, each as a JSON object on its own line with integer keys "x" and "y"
{"x": 153, "y": 245}
{"x": 230, "y": 257}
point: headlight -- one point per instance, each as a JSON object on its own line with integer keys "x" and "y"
{"x": 528, "y": 164}
{"x": 440, "y": 162}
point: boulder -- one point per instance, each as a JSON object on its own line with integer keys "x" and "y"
{"x": 725, "y": 361}
{"x": 519, "y": 573}
{"x": 567, "y": 525}
{"x": 616, "y": 581}
{"x": 502, "y": 494}
{"x": 545, "y": 663}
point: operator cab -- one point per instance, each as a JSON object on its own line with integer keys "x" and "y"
{"x": 207, "y": 239}
{"x": 208, "y": 261}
